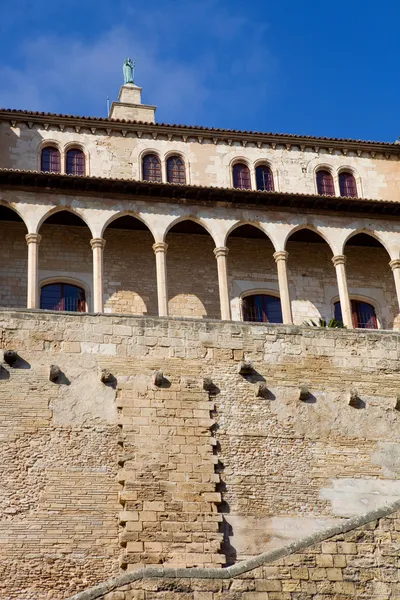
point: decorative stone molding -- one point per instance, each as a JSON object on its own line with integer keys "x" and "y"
{"x": 394, "y": 264}
{"x": 97, "y": 243}
{"x": 160, "y": 247}
{"x": 281, "y": 255}
{"x": 33, "y": 238}
{"x": 221, "y": 251}
{"x": 339, "y": 259}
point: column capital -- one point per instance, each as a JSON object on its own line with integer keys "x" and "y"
{"x": 160, "y": 247}
{"x": 221, "y": 251}
{"x": 281, "y": 255}
{"x": 395, "y": 264}
{"x": 340, "y": 259}
{"x": 33, "y": 238}
{"x": 97, "y": 243}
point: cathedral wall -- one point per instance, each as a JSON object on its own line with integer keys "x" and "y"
{"x": 208, "y": 164}
{"x": 282, "y": 467}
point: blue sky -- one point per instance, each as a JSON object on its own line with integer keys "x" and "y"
{"x": 313, "y": 67}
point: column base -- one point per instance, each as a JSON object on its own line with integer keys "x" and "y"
{"x": 396, "y": 322}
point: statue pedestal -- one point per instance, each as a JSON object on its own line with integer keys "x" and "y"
{"x": 130, "y": 107}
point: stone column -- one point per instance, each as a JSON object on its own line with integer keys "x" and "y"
{"x": 281, "y": 264}
{"x": 395, "y": 266}
{"x": 33, "y": 241}
{"x": 160, "y": 250}
{"x": 221, "y": 254}
{"x": 97, "y": 245}
{"x": 340, "y": 265}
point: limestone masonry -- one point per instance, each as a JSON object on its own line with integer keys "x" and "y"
{"x": 177, "y": 420}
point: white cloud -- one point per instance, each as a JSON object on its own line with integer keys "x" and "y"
{"x": 189, "y": 59}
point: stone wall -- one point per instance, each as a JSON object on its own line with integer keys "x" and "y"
{"x": 115, "y": 155}
{"x": 358, "y": 559}
{"x": 193, "y": 477}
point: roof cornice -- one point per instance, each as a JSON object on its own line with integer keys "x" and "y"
{"x": 190, "y": 194}
{"x": 229, "y": 136}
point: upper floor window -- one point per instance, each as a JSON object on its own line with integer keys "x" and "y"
{"x": 75, "y": 162}
{"x": 151, "y": 168}
{"x": 50, "y": 160}
{"x": 363, "y": 314}
{"x": 325, "y": 184}
{"x": 241, "y": 177}
{"x": 262, "y": 308}
{"x": 63, "y": 296}
{"x": 176, "y": 172}
{"x": 264, "y": 179}
{"x": 347, "y": 185}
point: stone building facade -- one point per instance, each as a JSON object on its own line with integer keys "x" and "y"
{"x": 196, "y": 428}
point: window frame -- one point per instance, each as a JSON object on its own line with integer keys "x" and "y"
{"x": 75, "y": 148}
{"x": 324, "y": 170}
{"x": 354, "y": 316}
{"x": 52, "y": 147}
{"x": 256, "y": 293}
{"x": 182, "y": 175}
{"x": 271, "y": 187}
{"x": 242, "y": 164}
{"x": 64, "y": 282}
{"x": 152, "y": 155}
{"x": 349, "y": 174}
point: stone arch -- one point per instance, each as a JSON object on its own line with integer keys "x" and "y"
{"x": 251, "y": 223}
{"x": 60, "y": 209}
{"x": 314, "y": 228}
{"x": 199, "y": 220}
{"x": 126, "y": 213}
{"x": 311, "y": 274}
{"x": 130, "y": 280}
{"x": 369, "y": 275}
{"x": 14, "y": 253}
{"x": 251, "y": 263}
{"x": 192, "y": 270}
{"x": 64, "y": 250}
{"x": 367, "y": 232}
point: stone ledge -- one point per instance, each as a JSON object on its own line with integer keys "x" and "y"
{"x": 201, "y": 324}
{"x": 240, "y": 568}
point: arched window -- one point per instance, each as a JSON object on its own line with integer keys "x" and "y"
{"x": 50, "y": 160}
{"x": 151, "y": 168}
{"x": 264, "y": 179}
{"x": 63, "y": 296}
{"x": 347, "y": 185}
{"x": 176, "y": 170}
{"x": 325, "y": 184}
{"x": 241, "y": 177}
{"x": 75, "y": 162}
{"x": 363, "y": 314}
{"x": 262, "y": 308}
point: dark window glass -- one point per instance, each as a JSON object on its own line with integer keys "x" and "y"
{"x": 241, "y": 177}
{"x": 264, "y": 179}
{"x": 75, "y": 163}
{"x": 63, "y": 296}
{"x": 50, "y": 160}
{"x": 363, "y": 314}
{"x": 151, "y": 168}
{"x": 176, "y": 170}
{"x": 347, "y": 185}
{"x": 325, "y": 184}
{"x": 262, "y": 308}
